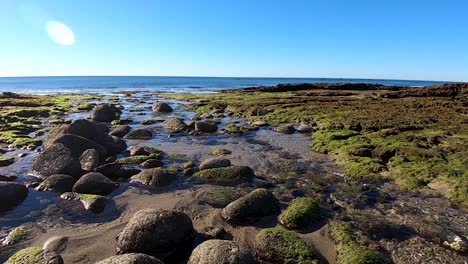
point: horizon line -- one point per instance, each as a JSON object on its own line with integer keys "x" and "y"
{"x": 233, "y": 77}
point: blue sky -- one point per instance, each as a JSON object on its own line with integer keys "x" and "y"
{"x": 426, "y": 40}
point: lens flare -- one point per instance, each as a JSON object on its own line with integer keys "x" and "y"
{"x": 60, "y": 33}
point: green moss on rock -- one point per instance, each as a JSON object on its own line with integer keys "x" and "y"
{"x": 133, "y": 159}
{"x": 6, "y": 161}
{"x": 300, "y": 213}
{"x": 226, "y": 175}
{"x": 30, "y": 255}
{"x": 18, "y": 234}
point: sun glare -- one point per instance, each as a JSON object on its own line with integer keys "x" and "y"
{"x": 60, "y": 33}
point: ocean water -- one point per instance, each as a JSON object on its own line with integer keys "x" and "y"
{"x": 50, "y": 85}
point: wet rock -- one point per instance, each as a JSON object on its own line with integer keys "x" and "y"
{"x": 152, "y": 163}
{"x": 220, "y": 251}
{"x": 277, "y": 245}
{"x": 304, "y": 128}
{"x": 17, "y": 235}
{"x": 300, "y": 213}
{"x": 55, "y": 245}
{"x": 162, "y": 107}
{"x": 226, "y": 175}
{"x": 131, "y": 258}
{"x": 56, "y": 159}
{"x": 91, "y": 202}
{"x": 120, "y": 131}
{"x": 158, "y": 233}
{"x": 7, "y": 178}
{"x": 220, "y": 152}
{"x": 105, "y": 113}
{"x": 143, "y": 134}
{"x": 89, "y": 159}
{"x": 205, "y": 127}
{"x": 285, "y": 129}
{"x": 259, "y": 123}
{"x": 125, "y": 173}
{"x": 114, "y": 145}
{"x": 82, "y": 127}
{"x": 57, "y": 183}
{"x": 33, "y": 255}
{"x": 6, "y": 161}
{"x": 77, "y": 145}
{"x": 175, "y": 124}
{"x": 456, "y": 242}
{"x": 94, "y": 183}
{"x": 214, "y": 163}
{"x": 251, "y": 207}
{"x": 155, "y": 177}
{"x": 144, "y": 151}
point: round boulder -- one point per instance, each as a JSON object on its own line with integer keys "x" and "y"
{"x": 105, "y": 113}
{"x": 162, "y": 107}
{"x": 56, "y": 159}
{"x": 304, "y": 128}
{"x": 248, "y": 208}
{"x": 205, "y": 127}
{"x": 214, "y": 163}
{"x": 158, "y": 233}
{"x": 11, "y": 194}
{"x": 131, "y": 258}
{"x": 175, "y": 124}
{"x": 155, "y": 177}
{"x": 120, "y": 131}
{"x": 94, "y": 183}
{"x": 226, "y": 175}
{"x": 57, "y": 183}
{"x": 285, "y": 129}
{"x": 143, "y": 134}
{"x": 220, "y": 251}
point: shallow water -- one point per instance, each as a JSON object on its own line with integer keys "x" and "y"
{"x": 284, "y": 159}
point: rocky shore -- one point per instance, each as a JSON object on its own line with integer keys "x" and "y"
{"x": 236, "y": 177}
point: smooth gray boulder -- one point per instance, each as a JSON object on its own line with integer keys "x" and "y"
{"x": 94, "y": 183}
{"x": 105, "y": 113}
{"x": 162, "y": 107}
{"x": 143, "y": 134}
{"x": 57, "y": 183}
{"x": 215, "y": 162}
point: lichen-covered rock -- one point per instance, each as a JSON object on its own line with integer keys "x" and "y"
{"x": 220, "y": 152}
{"x": 142, "y": 134}
{"x": 33, "y": 255}
{"x": 155, "y": 177}
{"x": 145, "y": 151}
{"x": 89, "y": 159}
{"x": 162, "y": 107}
{"x": 105, "y": 113}
{"x": 11, "y": 194}
{"x": 175, "y": 124}
{"x": 226, "y": 175}
{"x": 248, "y": 208}
{"x": 57, "y": 183}
{"x": 120, "y": 131}
{"x": 94, "y": 183}
{"x": 133, "y": 159}
{"x": 131, "y": 258}
{"x": 277, "y": 245}
{"x": 91, "y": 202}
{"x": 205, "y": 127}
{"x": 152, "y": 163}
{"x": 56, "y": 159}
{"x": 16, "y": 235}
{"x": 214, "y": 163}
{"x": 158, "y": 233}
{"x": 220, "y": 251}
{"x": 286, "y": 129}
{"x": 300, "y": 213}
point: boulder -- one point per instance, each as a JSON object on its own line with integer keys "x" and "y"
{"x": 226, "y": 175}
{"x": 56, "y": 159}
{"x": 205, "y": 127}
{"x": 120, "y": 131}
{"x": 114, "y": 145}
{"x": 94, "y": 183}
{"x": 6, "y": 161}
{"x": 105, "y": 113}
{"x": 248, "y": 208}
{"x": 57, "y": 183}
{"x": 143, "y": 134}
{"x": 155, "y": 177}
{"x": 300, "y": 213}
{"x": 131, "y": 258}
{"x": 11, "y": 194}
{"x": 259, "y": 123}
{"x": 144, "y": 151}
{"x": 285, "y": 129}
{"x": 82, "y": 127}
{"x": 156, "y": 232}
{"x": 175, "y": 124}
{"x": 220, "y": 251}
{"x": 277, "y": 245}
{"x": 77, "y": 145}
{"x": 89, "y": 159}
{"x": 55, "y": 245}
{"x": 214, "y": 163}
{"x": 33, "y": 255}
{"x": 304, "y": 128}
{"x": 162, "y": 107}
{"x": 152, "y": 163}
{"x": 92, "y": 202}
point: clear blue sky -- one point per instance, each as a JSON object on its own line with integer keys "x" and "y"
{"x": 396, "y": 39}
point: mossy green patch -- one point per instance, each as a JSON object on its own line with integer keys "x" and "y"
{"x": 30, "y": 255}
{"x": 189, "y": 164}
{"x": 86, "y": 106}
{"x": 18, "y": 234}
{"x": 133, "y": 159}
{"x": 285, "y": 246}
{"x": 6, "y": 161}
{"x": 300, "y": 213}
{"x": 18, "y": 139}
{"x": 350, "y": 249}
{"x": 151, "y": 121}
{"x": 225, "y": 175}
{"x": 220, "y": 152}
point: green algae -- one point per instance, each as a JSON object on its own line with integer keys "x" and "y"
{"x": 225, "y": 175}
{"x": 189, "y": 165}
{"x": 18, "y": 234}
{"x": 134, "y": 159}
{"x": 220, "y": 152}
{"x": 300, "y": 213}
{"x": 30, "y": 255}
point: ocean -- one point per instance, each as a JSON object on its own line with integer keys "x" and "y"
{"x": 97, "y": 84}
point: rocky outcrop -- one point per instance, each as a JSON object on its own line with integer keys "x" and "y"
{"x": 82, "y": 127}
{"x": 94, "y": 183}
{"x": 162, "y": 107}
{"x": 158, "y": 233}
{"x": 57, "y": 183}
{"x": 89, "y": 159}
{"x": 56, "y": 159}
{"x": 251, "y": 207}
{"x": 105, "y": 113}
{"x": 220, "y": 251}
{"x": 11, "y": 194}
